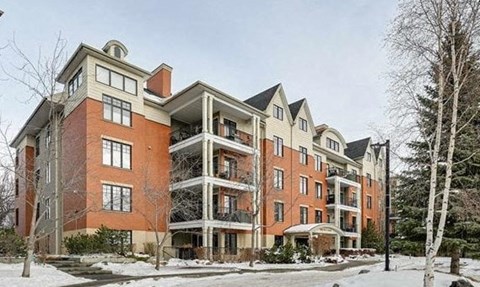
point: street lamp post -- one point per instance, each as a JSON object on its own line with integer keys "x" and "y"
{"x": 386, "y": 144}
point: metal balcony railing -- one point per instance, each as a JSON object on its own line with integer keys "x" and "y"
{"x": 233, "y": 173}
{"x": 344, "y": 201}
{"x": 349, "y": 228}
{"x": 233, "y": 134}
{"x": 232, "y": 215}
{"x": 184, "y": 133}
{"x": 343, "y": 173}
{"x": 228, "y": 132}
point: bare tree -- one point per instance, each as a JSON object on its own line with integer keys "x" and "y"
{"x": 7, "y": 197}
{"x": 417, "y": 37}
{"x": 39, "y": 78}
{"x": 164, "y": 204}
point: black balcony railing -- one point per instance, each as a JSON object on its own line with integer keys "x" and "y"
{"x": 349, "y": 228}
{"x": 232, "y": 215}
{"x": 233, "y": 173}
{"x": 228, "y": 132}
{"x": 343, "y": 173}
{"x": 344, "y": 201}
{"x": 184, "y": 133}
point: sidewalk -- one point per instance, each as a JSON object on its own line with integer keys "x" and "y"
{"x": 123, "y": 278}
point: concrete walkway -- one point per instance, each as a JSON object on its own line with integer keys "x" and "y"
{"x": 332, "y": 268}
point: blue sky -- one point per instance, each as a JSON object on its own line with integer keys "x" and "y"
{"x": 330, "y": 52}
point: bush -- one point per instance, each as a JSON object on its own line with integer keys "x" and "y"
{"x": 11, "y": 244}
{"x": 303, "y": 254}
{"x": 279, "y": 254}
{"x": 149, "y": 248}
{"x": 371, "y": 238}
{"x": 105, "y": 240}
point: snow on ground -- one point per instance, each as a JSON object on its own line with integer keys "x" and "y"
{"x": 40, "y": 275}
{"x": 200, "y": 266}
{"x": 409, "y": 273}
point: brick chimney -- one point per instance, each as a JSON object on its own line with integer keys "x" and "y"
{"x": 160, "y": 82}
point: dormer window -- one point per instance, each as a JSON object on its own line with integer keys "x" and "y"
{"x": 117, "y": 52}
{"x": 115, "y": 49}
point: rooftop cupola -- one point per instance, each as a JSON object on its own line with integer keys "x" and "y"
{"x": 116, "y": 49}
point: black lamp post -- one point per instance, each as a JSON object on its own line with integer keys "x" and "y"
{"x": 386, "y": 144}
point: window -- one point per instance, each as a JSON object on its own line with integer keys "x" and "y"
{"x": 117, "y": 198}
{"x": 17, "y": 216}
{"x": 230, "y": 168}
{"x": 116, "y": 52}
{"x": 75, "y": 82}
{"x": 278, "y": 212}
{"x": 48, "y": 173}
{"x": 47, "y": 208}
{"x": 117, "y": 154}
{"x": 17, "y": 192}
{"x": 303, "y": 185}
{"x": 16, "y": 157}
{"x": 303, "y": 124}
{"x": 369, "y": 179}
{"x": 231, "y": 243}
{"x": 278, "y": 240}
{"x": 333, "y": 144}
{"x": 318, "y": 216}
{"x": 37, "y": 177}
{"x": 278, "y": 178}
{"x": 229, "y": 204}
{"x": 37, "y": 145}
{"x": 318, "y": 189}
{"x": 277, "y": 146}
{"x": 278, "y": 112}
{"x": 303, "y": 155}
{"x": 117, "y": 111}
{"x": 369, "y": 201}
{"x": 230, "y": 128}
{"x": 318, "y": 163}
{"x": 48, "y": 136}
{"x": 303, "y": 215}
{"x": 369, "y": 156}
{"x": 116, "y": 80}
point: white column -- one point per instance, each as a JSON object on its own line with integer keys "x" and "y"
{"x": 210, "y": 243}
{"x": 210, "y": 157}
{"x": 210, "y": 201}
{"x": 210, "y": 114}
{"x": 204, "y": 112}
{"x": 205, "y": 201}
{"x": 337, "y": 244}
{"x": 221, "y": 243}
{"x": 337, "y": 201}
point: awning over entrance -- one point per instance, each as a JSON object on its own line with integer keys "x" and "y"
{"x": 315, "y": 228}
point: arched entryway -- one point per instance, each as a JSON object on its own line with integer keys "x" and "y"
{"x": 309, "y": 230}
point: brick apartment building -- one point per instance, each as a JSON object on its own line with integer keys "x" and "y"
{"x": 90, "y": 150}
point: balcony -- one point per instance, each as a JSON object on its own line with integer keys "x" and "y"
{"x": 343, "y": 173}
{"x": 232, "y": 173}
{"x": 343, "y": 201}
{"x": 225, "y": 131}
{"x": 233, "y": 134}
{"x": 349, "y": 228}
{"x": 232, "y": 215}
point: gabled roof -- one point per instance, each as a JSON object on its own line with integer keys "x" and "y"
{"x": 357, "y": 148}
{"x": 261, "y": 100}
{"x": 295, "y": 108}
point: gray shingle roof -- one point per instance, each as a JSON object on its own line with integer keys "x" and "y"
{"x": 295, "y": 108}
{"x": 261, "y": 100}
{"x": 357, "y": 148}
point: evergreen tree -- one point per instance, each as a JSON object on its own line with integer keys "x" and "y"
{"x": 463, "y": 224}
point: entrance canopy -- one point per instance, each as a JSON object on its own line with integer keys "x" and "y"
{"x": 315, "y": 228}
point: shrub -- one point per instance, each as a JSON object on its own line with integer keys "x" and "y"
{"x": 105, "y": 240}
{"x": 149, "y": 248}
{"x": 371, "y": 238}
{"x": 279, "y": 254}
{"x": 11, "y": 244}
{"x": 303, "y": 254}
